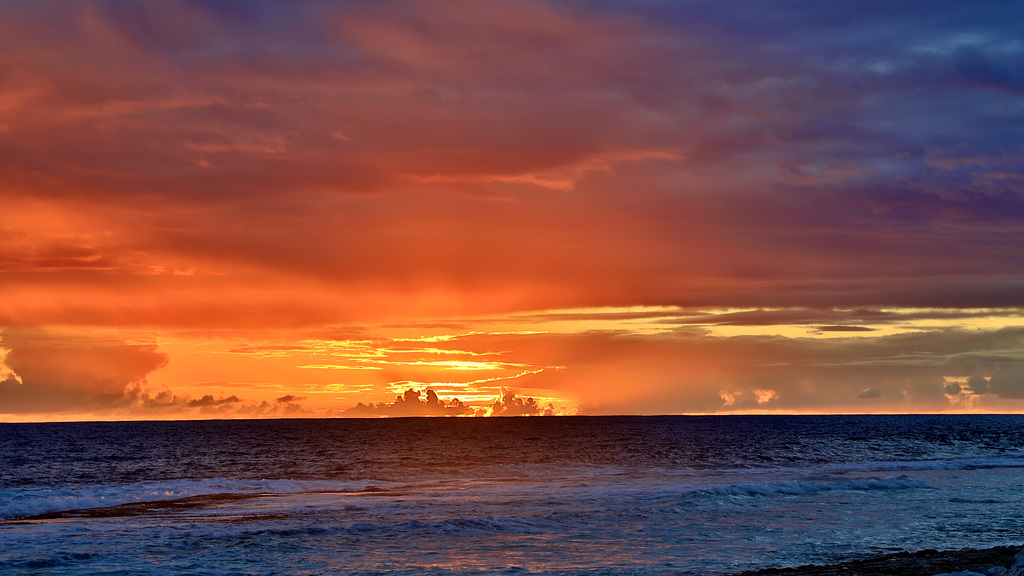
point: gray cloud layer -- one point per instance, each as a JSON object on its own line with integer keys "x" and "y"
{"x": 849, "y": 153}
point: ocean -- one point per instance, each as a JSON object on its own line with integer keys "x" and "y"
{"x": 682, "y": 495}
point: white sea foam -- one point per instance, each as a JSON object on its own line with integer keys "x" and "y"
{"x": 34, "y": 501}
{"x": 1014, "y": 460}
{"x": 803, "y": 487}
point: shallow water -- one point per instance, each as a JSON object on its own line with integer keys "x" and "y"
{"x": 565, "y": 495}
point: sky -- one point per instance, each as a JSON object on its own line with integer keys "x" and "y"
{"x": 243, "y": 209}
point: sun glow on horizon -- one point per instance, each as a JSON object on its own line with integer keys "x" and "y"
{"x": 537, "y": 354}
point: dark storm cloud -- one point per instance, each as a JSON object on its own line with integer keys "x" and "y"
{"x": 50, "y": 373}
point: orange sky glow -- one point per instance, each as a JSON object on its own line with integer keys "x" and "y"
{"x": 506, "y": 208}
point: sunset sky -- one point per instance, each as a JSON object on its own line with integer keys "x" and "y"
{"x": 277, "y": 209}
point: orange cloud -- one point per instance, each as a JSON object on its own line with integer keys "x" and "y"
{"x": 240, "y": 183}
{"x": 45, "y": 373}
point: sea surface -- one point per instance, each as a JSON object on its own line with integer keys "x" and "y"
{"x": 548, "y": 495}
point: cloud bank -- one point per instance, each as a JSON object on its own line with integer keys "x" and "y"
{"x": 409, "y": 404}
{"x": 182, "y": 180}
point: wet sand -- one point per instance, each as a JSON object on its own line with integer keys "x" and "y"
{"x": 923, "y": 563}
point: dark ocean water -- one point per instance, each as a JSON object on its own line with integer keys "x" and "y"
{"x": 559, "y": 495}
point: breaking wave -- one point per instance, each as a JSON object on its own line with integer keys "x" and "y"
{"x": 804, "y": 487}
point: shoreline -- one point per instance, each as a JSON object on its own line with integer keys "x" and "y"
{"x": 921, "y": 563}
